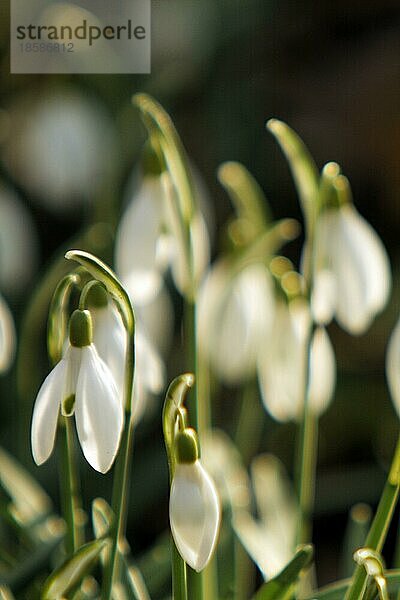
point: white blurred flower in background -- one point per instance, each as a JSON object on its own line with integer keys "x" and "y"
{"x": 351, "y": 267}
{"x": 60, "y": 147}
{"x": 270, "y": 539}
{"x": 282, "y": 364}
{"x": 149, "y": 240}
{"x": 235, "y": 315}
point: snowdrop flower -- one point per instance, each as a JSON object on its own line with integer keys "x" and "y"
{"x": 270, "y": 539}
{"x": 393, "y": 367}
{"x": 234, "y": 316}
{"x": 351, "y": 269}
{"x": 7, "y": 336}
{"x": 110, "y": 339}
{"x": 194, "y": 509}
{"x": 149, "y": 225}
{"x": 282, "y": 364}
{"x": 80, "y": 384}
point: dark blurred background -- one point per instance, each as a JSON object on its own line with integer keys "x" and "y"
{"x": 68, "y": 146}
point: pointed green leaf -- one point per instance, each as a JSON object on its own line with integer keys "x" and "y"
{"x": 280, "y": 587}
{"x": 72, "y": 571}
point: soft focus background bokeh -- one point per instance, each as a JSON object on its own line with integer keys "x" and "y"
{"x": 68, "y": 150}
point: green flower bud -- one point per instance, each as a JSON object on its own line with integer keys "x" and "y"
{"x": 80, "y": 328}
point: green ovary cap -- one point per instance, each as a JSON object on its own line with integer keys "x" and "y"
{"x": 186, "y": 446}
{"x": 97, "y": 296}
{"x": 80, "y": 328}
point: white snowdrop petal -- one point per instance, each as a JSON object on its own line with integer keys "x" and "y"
{"x": 45, "y": 412}
{"x": 349, "y": 248}
{"x": 98, "y": 411}
{"x": 322, "y": 372}
{"x": 281, "y": 366}
{"x": 110, "y": 340}
{"x": 375, "y": 260}
{"x": 7, "y": 336}
{"x": 323, "y": 297}
{"x": 235, "y": 317}
{"x": 393, "y": 367}
{"x": 139, "y": 229}
{"x": 194, "y": 513}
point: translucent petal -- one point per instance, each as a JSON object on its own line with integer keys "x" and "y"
{"x": 45, "y": 412}
{"x": 7, "y": 336}
{"x": 348, "y": 247}
{"x": 110, "y": 339}
{"x": 322, "y": 372}
{"x": 235, "y": 316}
{"x": 323, "y": 298}
{"x": 281, "y": 366}
{"x": 393, "y": 367}
{"x": 364, "y": 248}
{"x": 137, "y": 252}
{"x": 98, "y": 411}
{"x": 194, "y": 514}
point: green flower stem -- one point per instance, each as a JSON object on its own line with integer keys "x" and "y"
{"x": 194, "y": 580}
{"x": 195, "y": 584}
{"x": 190, "y": 349}
{"x": 380, "y": 525}
{"x": 70, "y": 488}
{"x": 119, "y": 502}
{"x": 179, "y": 581}
{"x": 307, "y": 459}
{"x": 250, "y": 422}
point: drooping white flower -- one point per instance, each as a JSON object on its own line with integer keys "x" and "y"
{"x": 352, "y": 270}
{"x": 393, "y": 366}
{"x": 83, "y": 385}
{"x": 234, "y": 316}
{"x": 282, "y": 365}
{"x": 194, "y": 510}
{"x": 7, "y": 336}
{"x": 149, "y": 240}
